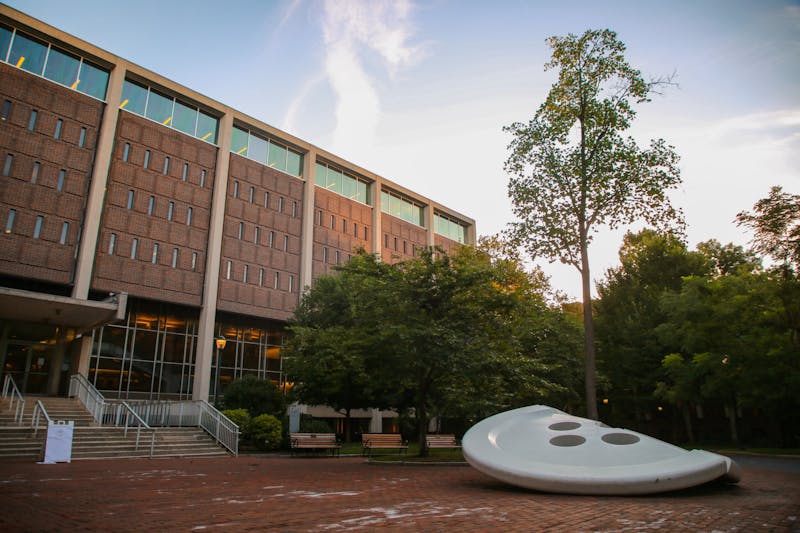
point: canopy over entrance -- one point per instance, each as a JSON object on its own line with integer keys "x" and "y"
{"x": 42, "y": 308}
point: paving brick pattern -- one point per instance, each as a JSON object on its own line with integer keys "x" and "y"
{"x": 347, "y": 494}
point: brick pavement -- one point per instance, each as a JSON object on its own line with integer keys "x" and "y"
{"x": 346, "y": 494}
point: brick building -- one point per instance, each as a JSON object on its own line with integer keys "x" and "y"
{"x": 143, "y": 220}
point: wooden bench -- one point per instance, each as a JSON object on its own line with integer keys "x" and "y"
{"x": 442, "y": 441}
{"x": 382, "y": 441}
{"x": 315, "y": 441}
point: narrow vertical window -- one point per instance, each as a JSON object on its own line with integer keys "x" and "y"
{"x": 126, "y": 152}
{"x": 280, "y": 204}
{"x": 166, "y": 166}
{"x": 294, "y": 209}
{"x": 37, "y": 229}
{"x": 82, "y": 138}
{"x": 194, "y": 261}
{"x": 64, "y": 232}
{"x": 12, "y": 214}
{"x": 241, "y": 230}
{"x": 260, "y": 277}
{"x": 7, "y": 166}
{"x": 244, "y": 274}
{"x": 277, "y": 280}
{"x": 147, "y": 159}
{"x": 252, "y": 194}
{"x": 319, "y": 213}
{"x": 385, "y": 240}
{"x": 228, "y": 270}
{"x": 291, "y": 283}
{"x": 130, "y": 199}
{"x": 112, "y": 243}
{"x": 134, "y": 246}
{"x": 170, "y": 210}
{"x": 203, "y": 178}
{"x": 62, "y": 174}
{"x": 255, "y": 235}
{"x": 333, "y": 222}
{"x": 150, "y": 205}
{"x": 189, "y": 217}
{"x": 32, "y": 120}
{"x": 174, "y": 258}
{"x": 271, "y": 239}
{"x": 344, "y": 226}
{"x": 236, "y": 189}
{"x": 395, "y": 243}
{"x": 6, "y": 110}
{"x": 324, "y": 255}
{"x": 266, "y": 199}
{"x": 336, "y": 257}
{"x": 154, "y": 258}
{"x": 185, "y": 173}
{"x": 59, "y": 125}
{"x": 405, "y": 247}
{"x": 37, "y": 166}
{"x": 285, "y": 243}
{"x": 355, "y": 229}
{"x": 365, "y": 233}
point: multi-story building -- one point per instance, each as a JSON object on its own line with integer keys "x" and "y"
{"x": 143, "y": 220}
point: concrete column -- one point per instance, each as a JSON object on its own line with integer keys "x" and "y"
{"x": 97, "y": 189}
{"x": 56, "y": 361}
{"x": 5, "y": 327}
{"x": 428, "y": 213}
{"x": 377, "y": 226}
{"x": 309, "y": 220}
{"x": 375, "y": 421}
{"x": 208, "y": 313}
{"x": 85, "y": 351}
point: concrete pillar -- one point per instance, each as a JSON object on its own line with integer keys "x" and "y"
{"x": 309, "y": 220}
{"x": 84, "y": 352}
{"x": 97, "y": 189}
{"x": 375, "y": 421}
{"x": 377, "y": 226}
{"x": 428, "y": 213}
{"x": 56, "y": 362}
{"x": 208, "y": 313}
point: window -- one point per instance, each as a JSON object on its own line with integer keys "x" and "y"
{"x": 150, "y": 205}
{"x": 184, "y": 118}
{"x": 280, "y": 204}
{"x": 252, "y": 194}
{"x": 277, "y": 280}
{"x": 267, "y": 152}
{"x": 62, "y": 174}
{"x": 64, "y": 232}
{"x": 203, "y": 178}
{"x": 228, "y": 267}
{"x": 6, "y": 110}
{"x": 130, "y": 199}
{"x": 405, "y": 247}
{"x": 62, "y": 67}
{"x": 402, "y": 208}
{"x": 260, "y": 277}
{"x": 126, "y": 152}
{"x": 285, "y": 243}
{"x": 112, "y": 243}
{"x": 185, "y": 172}
{"x": 12, "y": 214}
{"x": 82, "y": 138}
{"x": 134, "y": 246}
{"x": 337, "y": 181}
{"x": 159, "y": 108}
{"x": 324, "y": 255}
{"x": 241, "y": 230}
{"x": 271, "y": 239}
{"x": 333, "y": 222}
{"x": 355, "y": 230}
{"x": 236, "y": 189}
{"x": 32, "y": 120}
{"x": 28, "y": 54}
{"x": 174, "y": 258}
{"x": 365, "y": 233}
{"x": 147, "y": 159}
{"x": 7, "y": 166}
{"x": 166, "y": 166}
{"x": 92, "y": 80}
{"x": 194, "y": 261}
{"x": 294, "y": 209}
{"x": 244, "y": 275}
{"x": 336, "y": 257}
{"x": 450, "y": 228}
{"x": 154, "y": 258}
{"x": 255, "y": 234}
{"x": 189, "y": 216}
{"x": 291, "y": 283}
{"x": 385, "y": 240}
{"x": 59, "y": 125}
{"x": 37, "y": 229}
{"x": 37, "y": 166}
{"x": 395, "y": 243}
{"x": 170, "y": 210}
{"x": 266, "y": 199}
{"x": 319, "y": 216}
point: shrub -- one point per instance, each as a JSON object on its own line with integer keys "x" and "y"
{"x": 241, "y": 418}
{"x": 258, "y": 396}
{"x": 265, "y": 432}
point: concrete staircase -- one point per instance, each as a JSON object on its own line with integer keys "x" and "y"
{"x": 92, "y": 441}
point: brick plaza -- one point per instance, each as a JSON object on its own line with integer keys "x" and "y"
{"x": 348, "y": 494}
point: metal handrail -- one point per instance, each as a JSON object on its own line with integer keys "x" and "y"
{"x": 220, "y": 427}
{"x": 38, "y": 410}
{"x": 11, "y": 391}
{"x": 81, "y": 388}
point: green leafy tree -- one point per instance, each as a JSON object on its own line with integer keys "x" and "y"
{"x": 257, "y": 396}
{"x": 572, "y": 170}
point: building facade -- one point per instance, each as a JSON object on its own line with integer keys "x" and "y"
{"x": 143, "y": 220}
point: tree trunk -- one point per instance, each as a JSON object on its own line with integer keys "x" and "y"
{"x": 422, "y": 427}
{"x": 687, "y": 422}
{"x": 730, "y": 412}
{"x": 348, "y": 426}
{"x": 588, "y": 329}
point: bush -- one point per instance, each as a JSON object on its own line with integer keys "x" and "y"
{"x": 241, "y": 418}
{"x": 258, "y": 396}
{"x": 265, "y": 432}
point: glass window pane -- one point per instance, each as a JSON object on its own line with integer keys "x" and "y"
{"x": 5, "y": 40}
{"x": 134, "y": 97}
{"x": 207, "y": 128}
{"x": 27, "y": 53}
{"x": 62, "y": 67}
{"x": 294, "y": 163}
{"x": 406, "y": 212}
{"x": 145, "y": 345}
{"x": 184, "y": 118}
{"x": 239, "y": 141}
{"x": 159, "y": 108}
{"x": 385, "y": 202}
{"x": 277, "y": 157}
{"x": 335, "y": 179}
{"x": 257, "y": 149}
{"x": 93, "y": 81}
{"x": 348, "y": 187}
{"x": 320, "y": 175}
{"x": 363, "y": 192}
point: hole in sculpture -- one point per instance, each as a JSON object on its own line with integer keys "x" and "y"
{"x": 567, "y": 440}
{"x": 564, "y": 426}
{"x": 620, "y": 438}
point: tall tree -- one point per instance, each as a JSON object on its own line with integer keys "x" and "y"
{"x": 572, "y": 171}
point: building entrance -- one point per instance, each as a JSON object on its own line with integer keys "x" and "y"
{"x": 29, "y": 365}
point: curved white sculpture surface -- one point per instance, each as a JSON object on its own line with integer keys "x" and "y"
{"x": 542, "y": 448}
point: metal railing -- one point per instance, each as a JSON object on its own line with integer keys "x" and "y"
{"x": 81, "y": 388}
{"x": 16, "y": 402}
{"x": 38, "y": 411}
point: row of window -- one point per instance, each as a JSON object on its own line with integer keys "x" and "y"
{"x": 165, "y": 168}
{"x": 154, "y": 254}
{"x": 396, "y": 245}
{"x": 337, "y": 256}
{"x": 272, "y": 241}
{"x": 33, "y": 118}
{"x": 402, "y": 208}
{"x": 37, "y": 227}
{"x": 332, "y": 219}
{"x": 260, "y": 279}
{"x": 44, "y": 59}
{"x": 35, "y": 172}
{"x": 449, "y": 228}
{"x": 268, "y": 152}
{"x": 337, "y": 181}
{"x": 168, "y": 111}
{"x": 151, "y": 207}
{"x": 251, "y": 197}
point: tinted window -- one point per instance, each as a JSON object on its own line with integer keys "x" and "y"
{"x": 239, "y": 141}
{"x": 257, "y": 149}
{"x": 207, "y": 128}
{"x": 159, "y": 108}
{"x": 27, "y": 53}
{"x": 184, "y": 118}
{"x": 294, "y": 163}
{"x": 5, "y": 40}
{"x": 134, "y": 97}
{"x": 62, "y": 67}
{"x": 93, "y": 81}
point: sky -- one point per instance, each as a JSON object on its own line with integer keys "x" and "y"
{"x": 419, "y": 91}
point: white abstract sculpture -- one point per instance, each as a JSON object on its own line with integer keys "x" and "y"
{"x": 542, "y": 448}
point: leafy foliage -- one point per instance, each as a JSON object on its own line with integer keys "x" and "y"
{"x": 265, "y": 431}
{"x": 257, "y": 396}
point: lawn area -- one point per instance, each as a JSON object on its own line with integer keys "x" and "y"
{"x": 412, "y": 454}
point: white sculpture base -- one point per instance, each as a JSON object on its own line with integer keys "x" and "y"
{"x": 542, "y": 448}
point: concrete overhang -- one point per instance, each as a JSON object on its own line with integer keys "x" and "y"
{"x": 42, "y": 308}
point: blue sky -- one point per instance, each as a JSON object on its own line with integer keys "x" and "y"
{"x": 419, "y": 91}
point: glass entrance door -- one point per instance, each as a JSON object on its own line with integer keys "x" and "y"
{"x": 29, "y": 365}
